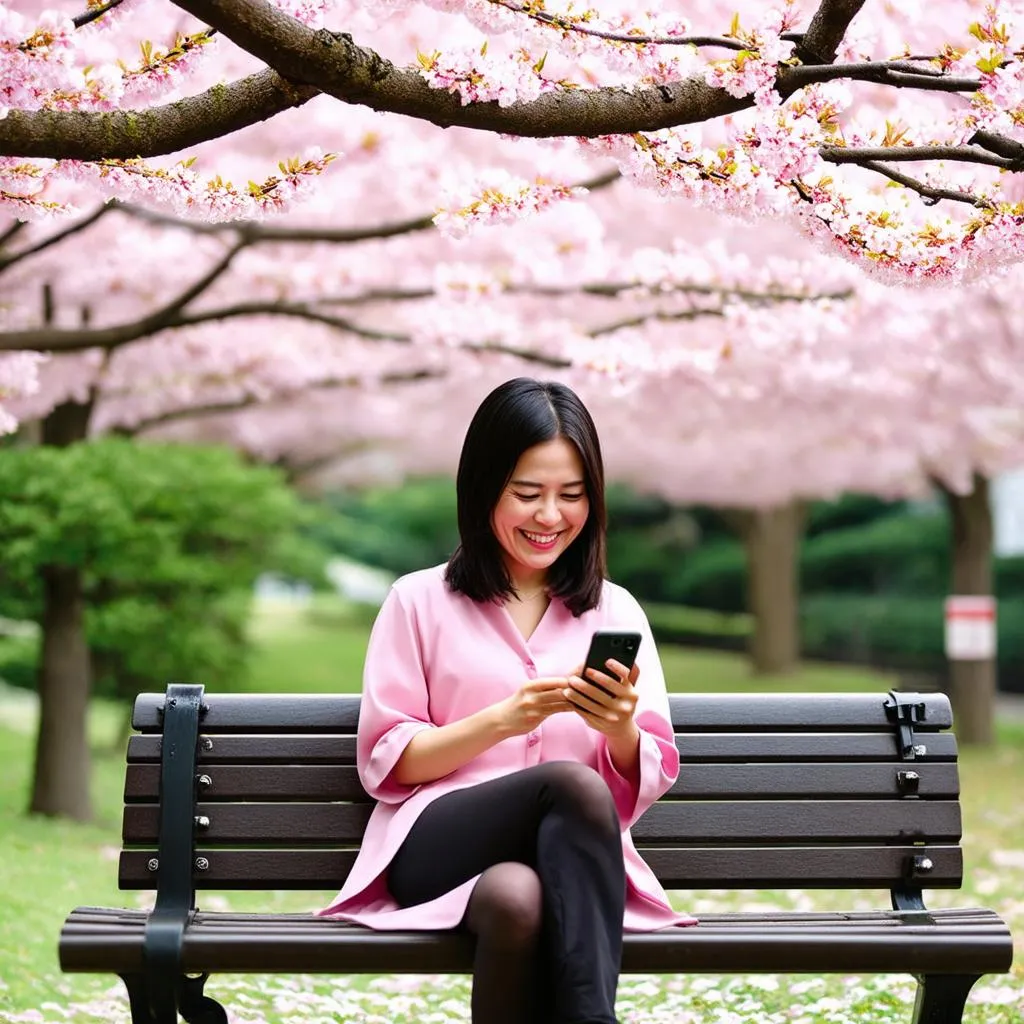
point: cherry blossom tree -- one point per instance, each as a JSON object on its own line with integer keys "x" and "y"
{"x": 468, "y": 164}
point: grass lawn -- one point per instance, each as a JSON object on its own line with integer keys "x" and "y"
{"x": 48, "y": 867}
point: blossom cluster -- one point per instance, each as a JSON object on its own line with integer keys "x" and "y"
{"x": 19, "y": 377}
{"x": 499, "y": 198}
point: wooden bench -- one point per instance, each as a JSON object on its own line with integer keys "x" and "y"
{"x": 849, "y": 791}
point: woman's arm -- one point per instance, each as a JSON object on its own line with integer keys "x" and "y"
{"x": 436, "y": 752}
{"x": 439, "y": 751}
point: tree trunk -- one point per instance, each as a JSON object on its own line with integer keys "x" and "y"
{"x": 972, "y": 688}
{"x": 62, "y": 764}
{"x": 67, "y": 424}
{"x": 61, "y": 783}
{"x": 771, "y": 538}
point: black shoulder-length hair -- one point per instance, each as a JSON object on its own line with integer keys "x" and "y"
{"x": 516, "y": 416}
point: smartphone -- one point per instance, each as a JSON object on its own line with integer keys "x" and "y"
{"x": 610, "y": 643}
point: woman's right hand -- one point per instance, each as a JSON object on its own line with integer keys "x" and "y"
{"x": 534, "y": 701}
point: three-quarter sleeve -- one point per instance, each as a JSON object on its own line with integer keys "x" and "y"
{"x": 395, "y": 703}
{"x": 658, "y": 756}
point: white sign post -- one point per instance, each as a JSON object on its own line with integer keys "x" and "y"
{"x": 970, "y": 628}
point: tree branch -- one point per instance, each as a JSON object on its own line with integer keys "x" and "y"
{"x": 59, "y": 339}
{"x": 898, "y": 73}
{"x": 254, "y": 231}
{"x": 58, "y": 236}
{"x": 826, "y": 30}
{"x": 125, "y": 134}
{"x": 250, "y": 401}
{"x": 657, "y": 314}
{"x": 172, "y": 317}
{"x": 335, "y": 64}
{"x": 608, "y": 290}
{"x": 965, "y": 154}
{"x": 96, "y": 12}
{"x": 12, "y": 232}
{"x": 930, "y": 194}
{"x": 564, "y": 23}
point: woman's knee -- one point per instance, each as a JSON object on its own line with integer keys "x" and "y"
{"x": 507, "y": 906}
{"x": 582, "y": 790}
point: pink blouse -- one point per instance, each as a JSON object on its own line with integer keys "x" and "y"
{"x": 435, "y": 657}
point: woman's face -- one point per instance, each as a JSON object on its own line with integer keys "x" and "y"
{"x": 542, "y": 508}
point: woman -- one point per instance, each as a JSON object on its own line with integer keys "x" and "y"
{"x": 506, "y": 784}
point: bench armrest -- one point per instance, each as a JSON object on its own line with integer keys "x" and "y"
{"x": 175, "y": 894}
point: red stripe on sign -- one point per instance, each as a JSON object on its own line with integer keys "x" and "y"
{"x": 972, "y": 613}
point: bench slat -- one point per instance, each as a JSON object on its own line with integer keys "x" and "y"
{"x": 753, "y": 867}
{"x": 888, "y": 944}
{"x": 696, "y": 781}
{"x": 708, "y": 748}
{"x": 697, "y": 712}
{"x": 665, "y": 822}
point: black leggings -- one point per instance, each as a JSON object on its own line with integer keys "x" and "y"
{"x": 547, "y": 911}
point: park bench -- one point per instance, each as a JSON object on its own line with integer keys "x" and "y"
{"x": 850, "y": 791}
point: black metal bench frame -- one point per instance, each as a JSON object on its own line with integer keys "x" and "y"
{"x": 166, "y": 955}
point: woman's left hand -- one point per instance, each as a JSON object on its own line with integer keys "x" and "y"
{"x": 606, "y": 701}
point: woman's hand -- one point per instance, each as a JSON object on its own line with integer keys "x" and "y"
{"x": 608, "y": 706}
{"x": 534, "y": 701}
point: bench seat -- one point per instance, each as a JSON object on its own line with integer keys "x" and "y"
{"x": 943, "y": 941}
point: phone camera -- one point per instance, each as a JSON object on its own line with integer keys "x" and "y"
{"x": 630, "y": 644}
{"x": 616, "y": 641}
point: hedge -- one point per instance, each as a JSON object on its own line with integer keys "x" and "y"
{"x": 896, "y": 633}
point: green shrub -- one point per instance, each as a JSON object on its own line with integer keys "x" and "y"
{"x": 398, "y": 529}
{"x": 850, "y": 510}
{"x": 169, "y": 541}
{"x": 713, "y": 576}
{"x": 698, "y": 627}
{"x": 901, "y": 554}
{"x": 901, "y": 633}
{"x": 18, "y": 658}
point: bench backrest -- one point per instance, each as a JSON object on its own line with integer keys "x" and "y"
{"x": 774, "y": 790}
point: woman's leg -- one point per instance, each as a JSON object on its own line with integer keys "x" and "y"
{"x": 506, "y": 913}
{"x": 559, "y": 819}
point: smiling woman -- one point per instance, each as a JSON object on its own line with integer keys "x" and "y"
{"x": 476, "y": 722}
{"x": 531, "y": 501}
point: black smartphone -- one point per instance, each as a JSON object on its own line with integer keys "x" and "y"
{"x": 610, "y": 643}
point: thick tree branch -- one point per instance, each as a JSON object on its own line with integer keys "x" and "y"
{"x": 124, "y": 134}
{"x": 335, "y": 64}
{"x": 338, "y": 66}
{"x": 826, "y": 30}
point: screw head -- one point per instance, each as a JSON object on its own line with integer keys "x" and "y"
{"x": 152, "y": 864}
{"x": 202, "y": 864}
